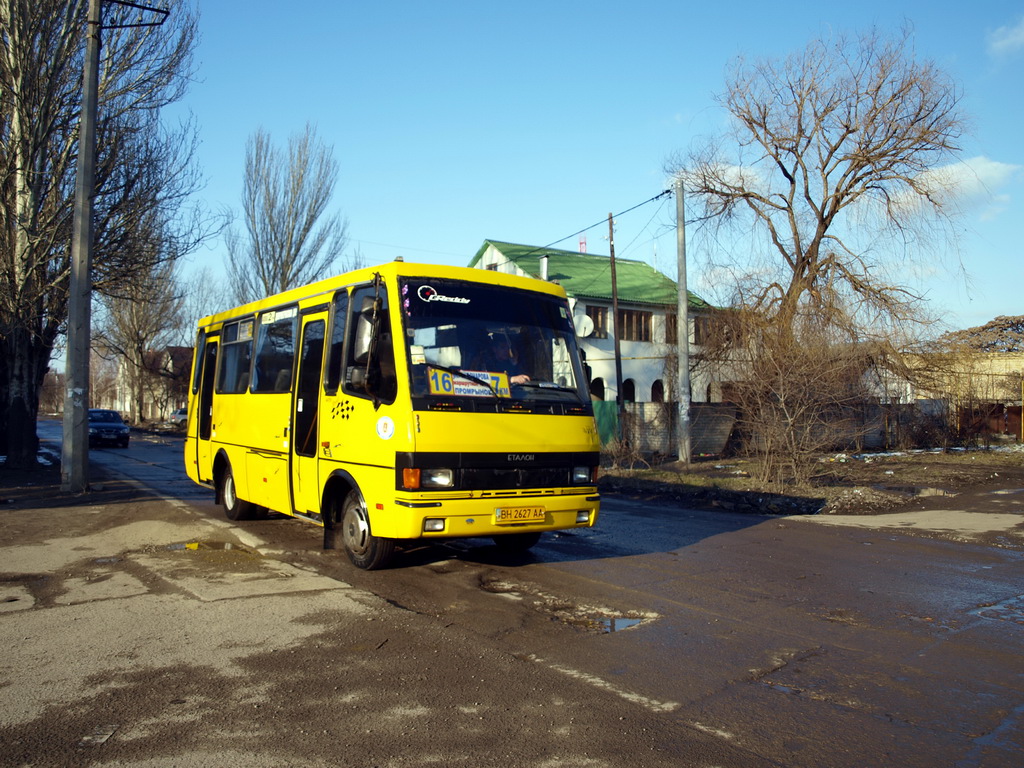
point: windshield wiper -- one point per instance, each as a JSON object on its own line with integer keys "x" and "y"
{"x": 467, "y": 376}
{"x": 548, "y": 387}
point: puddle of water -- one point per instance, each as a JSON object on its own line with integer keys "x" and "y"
{"x": 917, "y": 490}
{"x": 589, "y": 618}
{"x": 204, "y": 545}
{"x": 618, "y": 623}
{"x": 1011, "y": 610}
{"x": 933, "y": 492}
{"x": 781, "y": 688}
{"x": 602, "y": 622}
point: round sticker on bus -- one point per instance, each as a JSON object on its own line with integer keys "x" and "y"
{"x": 385, "y": 428}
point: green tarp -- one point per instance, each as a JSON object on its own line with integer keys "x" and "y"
{"x": 606, "y": 414}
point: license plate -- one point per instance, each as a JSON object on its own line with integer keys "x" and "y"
{"x": 519, "y": 515}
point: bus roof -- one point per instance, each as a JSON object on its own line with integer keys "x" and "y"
{"x": 388, "y": 270}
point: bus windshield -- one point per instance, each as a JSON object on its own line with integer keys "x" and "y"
{"x": 466, "y": 339}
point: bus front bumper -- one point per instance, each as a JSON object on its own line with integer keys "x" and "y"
{"x": 491, "y": 516}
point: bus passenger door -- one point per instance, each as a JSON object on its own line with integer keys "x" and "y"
{"x": 306, "y": 418}
{"x": 204, "y": 463}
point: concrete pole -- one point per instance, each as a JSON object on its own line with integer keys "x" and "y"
{"x": 620, "y": 405}
{"x": 682, "y": 333}
{"x": 74, "y": 463}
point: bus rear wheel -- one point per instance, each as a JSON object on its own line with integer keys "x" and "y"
{"x": 234, "y": 507}
{"x": 365, "y": 550}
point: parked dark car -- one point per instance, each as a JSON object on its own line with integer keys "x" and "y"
{"x": 107, "y": 427}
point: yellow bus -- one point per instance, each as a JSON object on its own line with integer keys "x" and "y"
{"x": 397, "y": 403}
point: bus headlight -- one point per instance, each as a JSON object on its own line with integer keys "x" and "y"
{"x": 437, "y": 478}
{"x": 414, "y": 478}
{"x": 582, "y": 475}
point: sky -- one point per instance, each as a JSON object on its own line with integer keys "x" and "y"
{"x": 456, "y": 122}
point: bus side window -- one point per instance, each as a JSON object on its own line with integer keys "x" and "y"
{"x": 335, "y": 360}
{"x": 197, "y": 365}
{"x": 236, "y": 354}
{"x": 275, "y": 352}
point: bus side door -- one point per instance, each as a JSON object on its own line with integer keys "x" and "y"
{"x": 204, "y": 463}
{"x": 305, "y": 443}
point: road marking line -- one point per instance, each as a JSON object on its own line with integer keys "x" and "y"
{"x": 635, "y": 698}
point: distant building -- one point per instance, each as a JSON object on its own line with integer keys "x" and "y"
{"x": 982, "y": 391}
{"x": 149, "y": 393}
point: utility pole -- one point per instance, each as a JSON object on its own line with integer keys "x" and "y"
{"x": 620, "y": 406}
{"x": 74, "y": 461}
{"x": 682, "y": 333}
{"x": 74, "y": 457}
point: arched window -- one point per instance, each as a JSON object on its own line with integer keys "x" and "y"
{"x": 657, "y": 392}
{"x": 628, "y": 391}
{"x": 597, "y": 389}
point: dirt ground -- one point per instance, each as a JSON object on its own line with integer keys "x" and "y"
{"x": 844, "y": 483}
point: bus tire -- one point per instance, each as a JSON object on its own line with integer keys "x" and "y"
{"x": 234, "y": 507}
{"x": 365, "y": 550}
{"x": 516, "y": 542}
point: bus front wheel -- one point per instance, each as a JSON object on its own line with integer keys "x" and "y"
{"x": 234, "y": 507}
{"x": 365, "y": 550}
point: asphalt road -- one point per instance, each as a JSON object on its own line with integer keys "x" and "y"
{"x": 663, "y": 636}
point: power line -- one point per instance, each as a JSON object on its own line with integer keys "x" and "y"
{"x": 644, "y": 229}
{"x": 601, "y": 222}
{"x": 659, "y": 196}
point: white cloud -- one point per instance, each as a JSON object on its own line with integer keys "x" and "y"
{"x": 1006, "y": 41}
{"x": 727, "y": 175}
{"x": 974, "y": 183}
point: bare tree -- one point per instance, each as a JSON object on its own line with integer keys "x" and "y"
{"x": 137, "y": 326}
{"x": 1004, "y": 334}
{"x": 291, "y": 238}
{"x": 103, "y": 379}
{"x": 797, "y": 395}
{"x": 837, "y": 161}
{"x": 147, "y": 328}
{"x": 144, "y": 175}
{"x": 203, "y": 293}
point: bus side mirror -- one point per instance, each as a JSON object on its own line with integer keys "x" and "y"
{"x": 363, "y": 338}
{"x": 356, "y": 378}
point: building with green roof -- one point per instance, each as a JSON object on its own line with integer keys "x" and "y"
{"x": 585, "y": 275}
{"x": 647, "y": 302}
